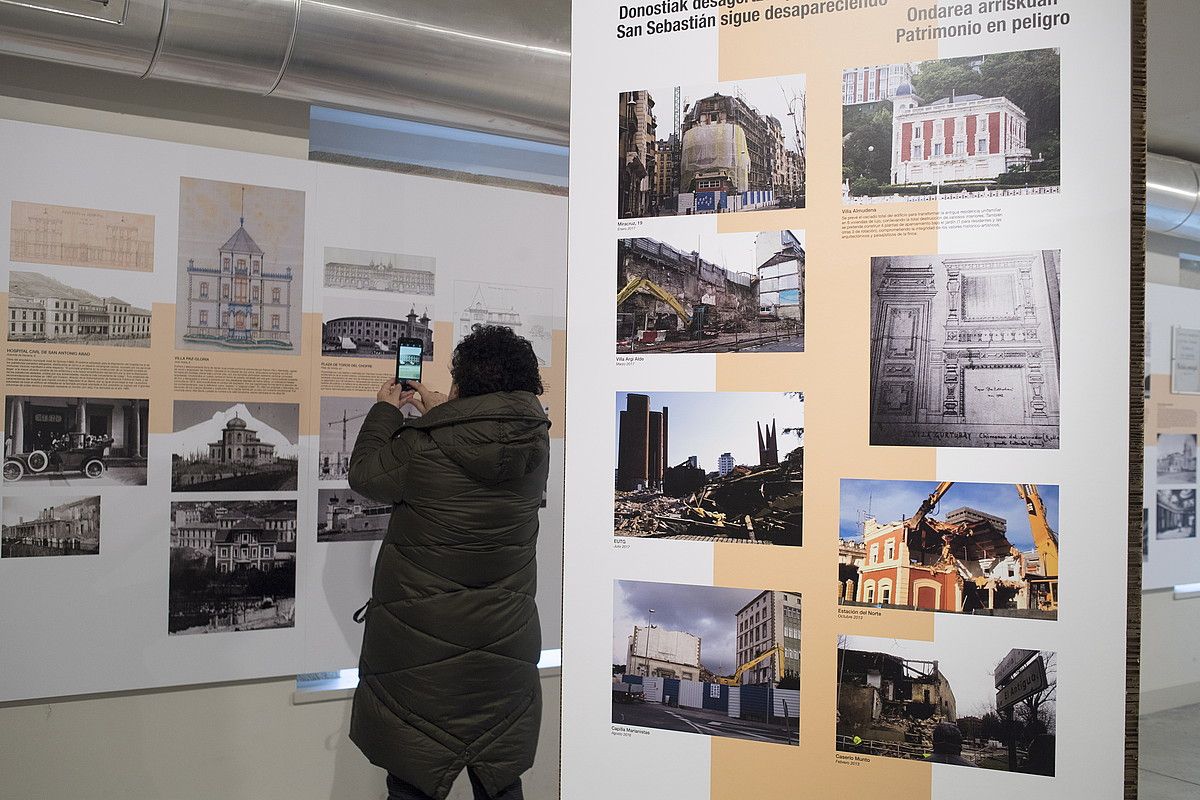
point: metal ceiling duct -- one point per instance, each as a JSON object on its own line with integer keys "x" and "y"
{"x": 501, "y": 66}
{"x": 1173, "y": 196}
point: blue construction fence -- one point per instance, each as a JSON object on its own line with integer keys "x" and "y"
{"x": 713, "y": 202}
{"x": 758, "y": 702}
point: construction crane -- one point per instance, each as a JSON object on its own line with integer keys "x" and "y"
{"x": 736, "y": 678}
{"x": 1045, "y": 540}
{"x": 344, "y": 423}
{"x": 647, "y": 285}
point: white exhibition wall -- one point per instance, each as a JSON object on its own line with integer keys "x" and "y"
{"x": 76, "y": 625}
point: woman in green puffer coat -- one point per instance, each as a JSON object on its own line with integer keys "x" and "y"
{"x": 448, "y": 674}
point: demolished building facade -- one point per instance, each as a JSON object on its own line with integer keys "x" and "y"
{"x": 885, "y": 697}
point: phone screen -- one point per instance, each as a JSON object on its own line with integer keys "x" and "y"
{"x": 408, "y": 362}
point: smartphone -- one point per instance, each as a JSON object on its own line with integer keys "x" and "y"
{"x": 409, "y": 353}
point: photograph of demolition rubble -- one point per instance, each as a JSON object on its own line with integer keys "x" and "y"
{"x": 707, "y": 660}
{"x": 965, "y": 350}
{"x": 989, "y": 549}
{"x": 710, "y": 466}
{"x": 233, "y": 566}
{"x": 977, "y": 126}
{"x": 987, "y": 705}
{"x": 715, "y": 293}
{"x": 712, "y": 148}
{"x": 235, "y": 447}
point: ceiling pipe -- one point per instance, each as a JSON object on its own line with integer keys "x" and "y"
{"x": 500, "y": 66}
{"x": 1173, "y": 196}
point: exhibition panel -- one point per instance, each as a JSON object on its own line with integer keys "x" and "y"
{"x": 872, "y": 320}
{"x": 192, "y": 339}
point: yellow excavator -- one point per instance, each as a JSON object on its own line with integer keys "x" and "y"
{"x": 736, "y": 678}
{"x": 649, "y": 286}
{"x": 1045, "y": 540}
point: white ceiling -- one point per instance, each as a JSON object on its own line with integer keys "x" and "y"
{"x": 1173, "y": 78}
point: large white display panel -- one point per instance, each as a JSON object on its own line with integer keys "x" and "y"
{"x": 79, "y": 214}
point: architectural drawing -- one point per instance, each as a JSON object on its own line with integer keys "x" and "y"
{"x": 527, "y": 310}
{"x": 361, "y": 270}
{"x": 81, "y": 237}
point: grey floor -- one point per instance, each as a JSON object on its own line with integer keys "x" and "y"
{"x": 1169, "y": 757}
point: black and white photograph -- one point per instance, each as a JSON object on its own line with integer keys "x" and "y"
{"x": 974, "y": 126}
{"x": 347, "y": 516}
{"x": 528, "y": 310}
{"x": 965, "y": 350}
{"x": 710, "y": 466}
{"x": 707, "y": 660}
{"x": 1176, "y": 458}
{"x": 369, "y": 271}
{"x": 74, "y": 306}
{"x": 948, "y": 704}
{"x": 341, "y": 420}
{"x": 1175, "y": 514}
{"x": 233, "y": 566}
{"x": 711, "y": 293}
{"x": 50, "y": 525}
{"x": 235, "y": 447}
{"x": 712, "y": 148}
{"x": 75, "y": 441}
{"x": 357, "y": 328}
{"x": 241, "y": 267}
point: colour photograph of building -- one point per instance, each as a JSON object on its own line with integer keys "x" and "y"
{"x": 969, "y": 126}
{"x": 233, "y": 566}
{"x": 989, "y": 549}
{"x": 241, "y": 267}
{"x": 924, "y": 701}
{"x": 710, "y": 466}
{"x": 62, "y": 306}
{"x": 708, "y": 660}
{"x": 44, "y": 525}
{"x": 711, "y": 149}
{"x": 361, "y": 329}
{"x": 234, "y": 447}
{"x": 367, "y": 271}
{"x": 346, "y": 516}
{"x": 60, "y": 441}
{"x": 527, "y": 310}
{"x": 965, "y": 350}
{"x": 716, "y": 293}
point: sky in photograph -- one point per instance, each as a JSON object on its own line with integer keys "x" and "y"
{"x": 967, "y": 669}
{"x": 332, "y": 409}
{"x": 769, "y": 96}
{"x": 283, "y": 417}
{"x": 18, "y": 508}
{"x": 736, "y": 252}
{"x": 707, "y": 424}
{"x": 704, "y": 611}
{"x": 892, "y": 501}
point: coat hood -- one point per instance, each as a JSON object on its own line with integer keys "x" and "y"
{"x": 494, "y": 437}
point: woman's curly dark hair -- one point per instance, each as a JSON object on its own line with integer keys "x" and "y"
{"x": 494, "y": 359}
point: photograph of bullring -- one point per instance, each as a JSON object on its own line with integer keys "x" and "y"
{"x": 50, "y": 525}
{"x": 233, "y": 566}
{"x": 965, "y": 350}
{"x": 708, "y": 660}
{"x": 74, "y": 306}
{"x": 235, "y": 447}
{"x": 65, "y": 441}
{"x": 977, "y": 126}
{"x": 710, "y": 149}
{"x": 988, "y": 549}
{"x": 357, "y": 328}
{"x": 710, "y": 466}
{"x": 988, "y": 705}
{"x": 718, "y": 293}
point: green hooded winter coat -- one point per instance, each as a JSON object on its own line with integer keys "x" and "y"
{"x": 448, "y": 674}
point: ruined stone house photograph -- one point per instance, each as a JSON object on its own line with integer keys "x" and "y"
{"x": 711, "y": 293}
{"x": 710, "y": 466}
{"x": 926, "y": 701}
{"x": 965, "y": 350}
{"x": 971, "y": 548}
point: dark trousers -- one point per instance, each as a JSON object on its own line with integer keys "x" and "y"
{"x": 399, "y": 790}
